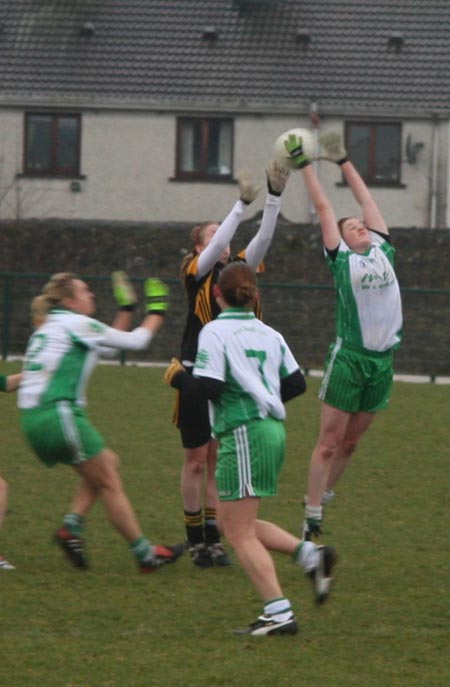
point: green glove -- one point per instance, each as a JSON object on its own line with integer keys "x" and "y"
{"x": 123, "y": 291}
{"x": 293, "y": 145}
{"x": 157, "y": 294}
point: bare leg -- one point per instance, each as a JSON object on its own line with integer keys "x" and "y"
{"x": 4, "y": 564}
{"x": 275, "y": 538}
{"x": 211, "y": 498}
{"x": 357, "y": 426}
{"x": 84, "y": 498}
{"x": 3, "y": 499}
{"x": 192, "y": 477}
{"x": 238, "y": 519}
{"x": 333, "y": 426}
{"x": 102, "y": 474}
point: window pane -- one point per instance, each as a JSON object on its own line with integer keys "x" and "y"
{"x": 219, "y": 147}
{"x": 39, "y": 136}
{"x": 387, "y": 153}
{"x": 67, "y": 153}
{"x": 358, "y": 145}
{"x": 191, "y": 146}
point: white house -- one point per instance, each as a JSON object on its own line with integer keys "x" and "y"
{"x": 145, "y": 109}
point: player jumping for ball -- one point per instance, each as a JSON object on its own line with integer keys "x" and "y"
{"x": 359, "y": 368}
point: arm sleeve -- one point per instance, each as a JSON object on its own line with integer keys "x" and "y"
{"x": 332, "y": 254}
{"x": 258, "y": 246}
{"x": 95, "y": 334}
{"x": 210, "y": 360}
{"x": 221, "y": 239}
{"x": 206, "y": 386}
{"x": 136, "y": 340}
{"x": 293, "y": 385}
{"x": 2, "y": 383}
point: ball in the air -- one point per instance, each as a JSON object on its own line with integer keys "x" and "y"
{"x": 308, "y": 144}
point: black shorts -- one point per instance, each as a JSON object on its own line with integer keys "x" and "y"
{"x": 193, "y": 420}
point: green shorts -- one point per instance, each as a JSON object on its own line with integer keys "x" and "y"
{"x": 249, "y": 460}
{"x": 356, "y": 379}
{"x": 61, "y": 433}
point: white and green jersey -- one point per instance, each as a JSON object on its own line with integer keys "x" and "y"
{"x": 369, "y": 308}
{"x": 62, "y": 354}
{"x": 251, "y": 358}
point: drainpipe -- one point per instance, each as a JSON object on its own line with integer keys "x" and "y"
{"x": 315, "y": 121}
{"x": 434, "y": 174}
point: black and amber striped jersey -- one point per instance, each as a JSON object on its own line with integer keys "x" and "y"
{"x": 202, "y": 306}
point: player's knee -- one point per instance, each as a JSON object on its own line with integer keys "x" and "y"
{"x": 328, "y": 447}
{"x": 107, "y": 474}
{"x": 114, "y": 459}
{"x": 195, "y": 461}
{"x": 349, "y": 446}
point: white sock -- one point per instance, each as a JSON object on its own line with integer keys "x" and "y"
{"x": 279, "y": 609}
{"x": 307, "y": 556}
{"x": 327, "y": 496}
{"x": 314, "y": 512}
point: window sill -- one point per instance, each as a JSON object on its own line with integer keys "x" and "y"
{"x": 49, "y": 175}
{"x": 375, "y": 184}
{"x": 203, "y": 180}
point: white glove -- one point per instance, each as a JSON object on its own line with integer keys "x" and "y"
{"x": 248, "y": 189}
{"x": 333, "y": 147}
{"x": 277, "y": 176}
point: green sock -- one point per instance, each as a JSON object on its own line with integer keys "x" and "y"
{"x": 74, "y": 523}
{"x": 141, "y": 548}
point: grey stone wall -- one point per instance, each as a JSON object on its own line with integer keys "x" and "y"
{"x": 296, "y": 287}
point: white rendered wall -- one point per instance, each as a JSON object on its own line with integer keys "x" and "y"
{"x": 128, "y": 160}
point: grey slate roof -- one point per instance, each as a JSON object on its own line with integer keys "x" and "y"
{"x": 153, "y": 53}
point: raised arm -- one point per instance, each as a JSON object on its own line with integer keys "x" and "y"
{"x": 371, "y": 213}
{"x": 330, "y": 231}
{"x": 224, "y": 234}
{"x": 157, "y": 295}
{"x": 334, "y": 151}
{"x": 126, "y": 299}
{"x": 327, "y": 219}
{"x": 277, "y": 176}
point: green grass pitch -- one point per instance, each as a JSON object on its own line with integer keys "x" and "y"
{"x": 386, "y": 624}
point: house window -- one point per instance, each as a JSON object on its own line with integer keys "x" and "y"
{"x": 204, "y": 148}
{"x": 375, "y": 150}
{"x": 52, "y": 144}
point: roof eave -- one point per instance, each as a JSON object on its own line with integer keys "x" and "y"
{"x": 220, "y": 106}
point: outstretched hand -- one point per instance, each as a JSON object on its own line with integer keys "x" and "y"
{"x": 173, "y": 369}
{"x": 248, "y": 188}
{"x": 157, "y": 295}
{"x": 277, "y": 177}
{"x": 123, "y": 290}
{"x": 333, "y": 147}
{"x": 294, "y": 149}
